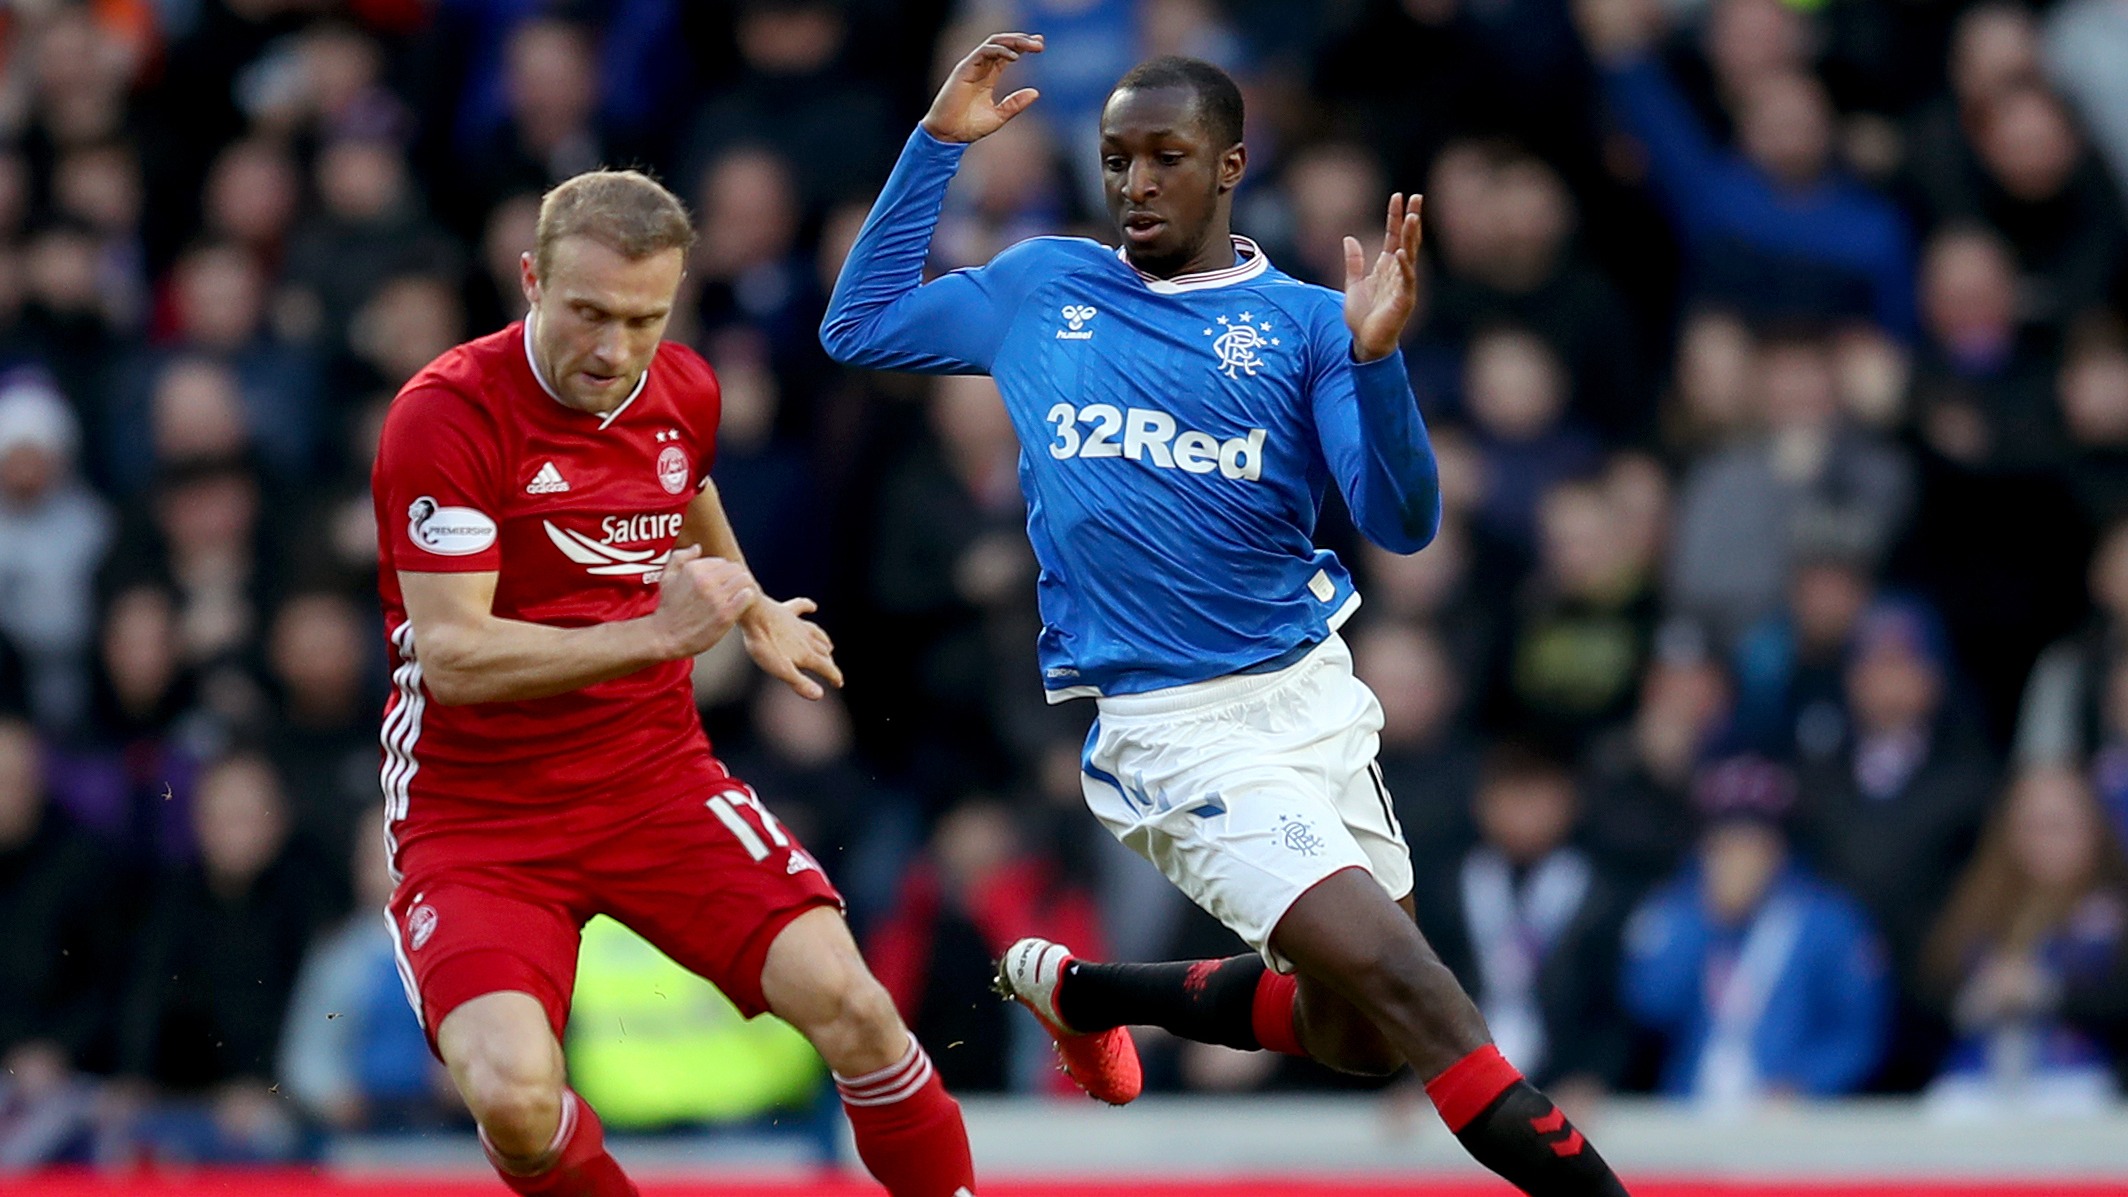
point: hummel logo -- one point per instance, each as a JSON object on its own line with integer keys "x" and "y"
{"x": 1076, "y": 315}
{"x": 548, "y": 481}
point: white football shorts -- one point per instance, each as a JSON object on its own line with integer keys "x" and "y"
{"x": 1247, "y": 790}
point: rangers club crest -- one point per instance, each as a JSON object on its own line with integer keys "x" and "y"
{"x": 1239, "y": 344}
{"x": 672, "y": 469}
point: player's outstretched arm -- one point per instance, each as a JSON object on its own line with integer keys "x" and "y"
{"x": 468, "y": 654}
{"x": 883, "y": 315}
{"x": 1365, "y": 413}
{"x": 967, "y": 108}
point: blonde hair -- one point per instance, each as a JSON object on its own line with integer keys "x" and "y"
{"x": 626, "y": 211}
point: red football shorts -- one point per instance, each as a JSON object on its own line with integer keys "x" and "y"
{"x": 708, "y": 876}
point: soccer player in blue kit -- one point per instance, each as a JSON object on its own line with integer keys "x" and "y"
{"x": 1181, "y": 406}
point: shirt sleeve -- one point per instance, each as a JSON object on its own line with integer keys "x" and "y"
{"x": 1374, "y": 441}
{"x": 883, "y": 316}
{"x": 438, "y": 473}
{"x": 702, "y": 397}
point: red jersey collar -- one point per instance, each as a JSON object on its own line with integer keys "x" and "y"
{"x": 532, "y": 360}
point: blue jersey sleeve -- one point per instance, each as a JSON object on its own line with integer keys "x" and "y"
{"x": 883, "y": 316}
{"x": 1374, "y": 440}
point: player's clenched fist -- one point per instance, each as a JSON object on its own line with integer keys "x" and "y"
{"x": 966, "y": 108}
{"x": 700, "y": 599}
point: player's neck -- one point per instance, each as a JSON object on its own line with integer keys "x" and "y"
{"x": 543, "y": 373}
{"x": 1217, "y": 253}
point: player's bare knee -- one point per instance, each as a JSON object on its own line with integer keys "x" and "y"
{"x": 865, "y": 1032}
{"x": 516, "y": 1096}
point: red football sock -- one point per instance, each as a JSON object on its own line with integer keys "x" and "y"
{"x": 1469, "y": 1085}
{"x": 909, "y": 1131}
{"x": 1271, "y": 1014}
{"x": 575, "y": 1164}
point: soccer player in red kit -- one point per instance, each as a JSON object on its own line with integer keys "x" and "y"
{"x": 552, "y": 557}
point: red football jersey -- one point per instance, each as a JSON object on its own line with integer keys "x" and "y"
{"x": 482, "y": 468}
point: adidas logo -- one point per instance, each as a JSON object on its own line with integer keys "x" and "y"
{"x": 798, "y": 864}
{"x": 548, "y": 481}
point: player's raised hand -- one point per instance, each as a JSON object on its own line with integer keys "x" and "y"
{"x": 967, "y": 108}
{"x": 700, "y": 600}
{"x": 1378, "y": 302}
{"x": 788, "y": 646}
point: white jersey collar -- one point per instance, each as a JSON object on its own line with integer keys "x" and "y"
{"x": 532, "y": 360}
{"x": 1252, "y": 263}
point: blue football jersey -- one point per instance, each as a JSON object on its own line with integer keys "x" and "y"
{"x": 1176, "y": 435}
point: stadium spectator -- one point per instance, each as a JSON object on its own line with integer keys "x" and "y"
{"x": 67, "y": 327}
{"x": 1584, "y": 622}
{"x": 550, "y": 128}
{"x": 1894, "y": 810}
{"x": 254, "y": 194}
{"x": 1513, "y": 261}
{"x": 1994, "y": 50}
{"x": 2030, "y": 955}
{"x": 1743, "y": 507}
{"x": 1439, "y": 589}
{"x": 791, "y": 90}
{"x": 1429, "y": 754}
{"x": 322, "y": 669}
{"x": 772, "y": 482}
{"x": 213, "y": 969}
{"x": 747, "y": 263}
{"x": 1712, "y": 402}
{"x": 348, "y": 1056}
{"x": 1791, "y": 666}
{"x": 63, "y": 934}
{"x": 1638, "y": 809}
{"x": 218, "y": 303}
{"x": 1800, "y": 994}
{"x": 369, "y": 225}
{"x": 127, "y": 775}
{"x": 54, "y": 532}
{"x": 1981, "y": 389}
{"x": 2038, "y": 184}
{"x": 1515, "y": 391}
{"x": 1530, "y": 923}
{"x": 950, "y": 574}
{"x": 1772, "y": 227}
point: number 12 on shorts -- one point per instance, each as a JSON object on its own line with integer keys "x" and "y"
{"x": 726, "y": 807}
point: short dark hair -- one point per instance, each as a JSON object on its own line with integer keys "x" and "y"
{"x": 1218, "y": 96}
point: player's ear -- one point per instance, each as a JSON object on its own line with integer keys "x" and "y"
{"x": 1232, "y": 166}
{"x": 528, "y": 277}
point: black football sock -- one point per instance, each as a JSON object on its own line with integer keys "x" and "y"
{"x": 1511, "y": 1128}
{"x": 1210, "y": 1001}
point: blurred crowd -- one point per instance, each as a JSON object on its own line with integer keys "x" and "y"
{"x": 1759, "y": 720}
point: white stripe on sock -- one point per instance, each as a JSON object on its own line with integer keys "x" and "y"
{"x": 901, "y": 1092}
{"x": 881, "y": 1075}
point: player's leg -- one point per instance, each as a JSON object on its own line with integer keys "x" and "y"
{"x": 1235, "y": 1001}
{"x": 542, "y": 1138}
{"x": 716, "y": 883}
{"x": 1346, "y": 933}
{"x": 908, "y": 1130}
{"x": 490, "y": 975}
